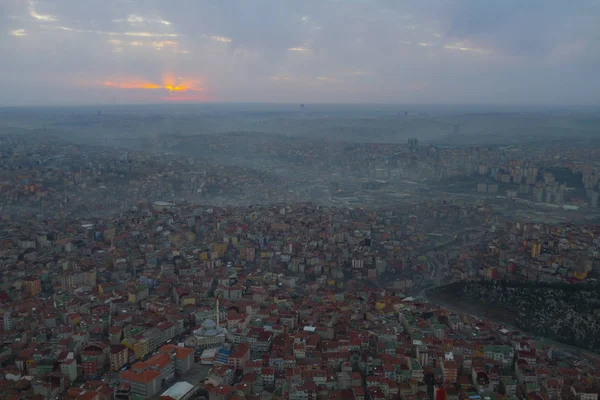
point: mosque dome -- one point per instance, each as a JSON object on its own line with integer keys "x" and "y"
{"x": 208, "y": 324}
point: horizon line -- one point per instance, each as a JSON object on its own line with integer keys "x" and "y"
{"x": 298, "y": 104}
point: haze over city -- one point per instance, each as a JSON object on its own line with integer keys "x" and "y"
{"x": 299, "y": 200}
{"x": 352, "y": 51}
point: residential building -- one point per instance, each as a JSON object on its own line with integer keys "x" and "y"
{"x": 145, "y": 384}
{"x": 119, "y": 356}
{"x": 32, "y": 286}
{"x": 240, "y": 356}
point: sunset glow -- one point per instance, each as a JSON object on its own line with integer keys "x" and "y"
{"x": 131, "y": 85}
{"x": 174, "y": 86}
{"x": 297, "y": 51}
{"x": 181, "y": 84}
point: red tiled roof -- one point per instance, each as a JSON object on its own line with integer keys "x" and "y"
{"x": 143, "y": 377}
{"x": 183, "y": 352}
{"x": 160, "y": 360}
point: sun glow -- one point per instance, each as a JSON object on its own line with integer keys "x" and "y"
{"x": 173, "y": 86}
{"x": 179, "y": 84}
{"x": 131, "y": 85}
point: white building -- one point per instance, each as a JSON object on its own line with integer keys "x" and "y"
{"x": 179, "y": 391}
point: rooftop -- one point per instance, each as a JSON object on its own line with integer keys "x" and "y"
{"x": 178, "y": 390}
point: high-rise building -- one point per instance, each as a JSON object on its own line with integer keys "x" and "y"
{"x": 32, "y": 286}
{"x": 413, "y": 144}
{"x": 594, "y": 199}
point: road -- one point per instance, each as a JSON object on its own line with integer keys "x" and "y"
{"x": 436, "y": 267}
{"x": 456, "y": 237}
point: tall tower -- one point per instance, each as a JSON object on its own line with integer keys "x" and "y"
{"x": 218, "y": 311}
{"x": 110, "y": 313}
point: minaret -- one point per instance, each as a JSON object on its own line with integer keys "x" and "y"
{"x": 109, "y": 313}
{"x": 217, "y": 311}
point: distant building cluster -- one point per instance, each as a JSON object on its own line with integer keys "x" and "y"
{"x": 526, "y": 251}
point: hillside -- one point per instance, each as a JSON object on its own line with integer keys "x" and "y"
{"x": 566, "y": 313}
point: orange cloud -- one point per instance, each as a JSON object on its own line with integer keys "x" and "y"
{"x": 169, "y": 83}
{"x": 131, "y": 85}
{"x": 174, "y": 86}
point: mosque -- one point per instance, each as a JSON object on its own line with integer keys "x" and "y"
{"x": 209, "y": 335}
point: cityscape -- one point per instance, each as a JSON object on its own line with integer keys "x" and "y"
{"x": 299, "y": 200}
{"x": 301, "y": 268}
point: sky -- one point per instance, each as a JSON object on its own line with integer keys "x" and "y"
{"x": 300, "y": 51}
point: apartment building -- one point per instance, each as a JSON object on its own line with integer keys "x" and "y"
{"x": 119, "y": 356}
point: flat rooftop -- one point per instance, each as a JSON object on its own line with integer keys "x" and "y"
{"x": 179, "y": 390}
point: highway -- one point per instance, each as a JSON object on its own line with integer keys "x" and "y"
{"x": 437, "y": 278}
{"x": 455, "y": 237}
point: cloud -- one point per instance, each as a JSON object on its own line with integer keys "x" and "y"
{"x": 148, "y": 34}
{"x": 300, "y": 51}
{"x": 130, "y": 85}
{"x": 328, "y": 79}
{"x": 40, "y": 17}
{"x": 222, "y": 39}
{"x": 159, "y": 45}
{"x": 136, "y": 20}
{"x": 464, "y": 47}
{"x": 531, "y": 28}
{"x": 18, "y": 32}
{"x": 169, "y": 84}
